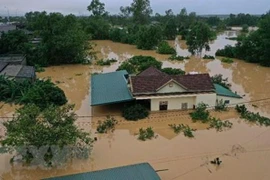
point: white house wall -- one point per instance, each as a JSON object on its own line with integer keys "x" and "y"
{"x": 174, "y": 88}
{"x": 209, "y": 99}
{"x": 233, "y": 101}
{"x": 174, "y": 103}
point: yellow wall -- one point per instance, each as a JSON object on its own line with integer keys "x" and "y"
{"x": 174, "y": 88}
{"x": 174, "y": 103}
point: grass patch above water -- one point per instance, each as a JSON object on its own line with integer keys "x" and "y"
{"x": 145, "y": 134}
{"x": 105, "y": 62}
{"x": 174, "y": 57}
{"x": 208, "y": 57}
{"x": 227, "y": 60}
{"x": 188, "y": 132}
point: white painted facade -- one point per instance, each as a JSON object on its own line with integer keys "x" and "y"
{"x": 232, "y": 101}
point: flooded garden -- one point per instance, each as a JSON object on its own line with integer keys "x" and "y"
{"x": 244, "y": 149}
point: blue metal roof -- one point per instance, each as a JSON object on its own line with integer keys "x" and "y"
{"x": 221, "y": 91}
{"x": 132, "y": 172}
{"x": 110, "y": 88}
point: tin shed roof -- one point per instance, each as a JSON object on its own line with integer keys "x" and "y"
{"x": 110, "y": 88}
{"x": 221, "y": 91}
{"x": 132, "y": 172}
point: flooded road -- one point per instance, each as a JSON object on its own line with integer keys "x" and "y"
{"x": 244, "y": 150}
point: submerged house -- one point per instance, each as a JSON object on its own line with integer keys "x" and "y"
{"x": 14, "y": 66}
{"x": 160, "y": 90}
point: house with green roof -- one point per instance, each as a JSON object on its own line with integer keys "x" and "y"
{"x": 160, "y": 90}
{"x": 143, "y": 171}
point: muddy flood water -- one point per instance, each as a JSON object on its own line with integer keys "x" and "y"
{"x": 244, "y": 149}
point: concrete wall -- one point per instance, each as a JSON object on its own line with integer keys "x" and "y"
{"x": 209, "y": 99}
{"x": 174, "y": 103}
{"x": 233, "y": 101}
{"x": 174, "y": 88}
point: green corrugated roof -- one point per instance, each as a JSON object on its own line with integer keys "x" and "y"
{"x": 109, "y": 88}
{"x": 132, "y": 172}
{"x": 221, "y": 91}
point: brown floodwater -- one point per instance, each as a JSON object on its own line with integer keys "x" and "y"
{"x": 244, "y": 149}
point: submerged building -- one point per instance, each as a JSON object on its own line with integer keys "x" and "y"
{"x": 160, "y": 90}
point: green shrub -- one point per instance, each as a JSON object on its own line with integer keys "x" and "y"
{"x": 174, "y": 57}
{"x": 108, "y": 124}
{"x": 200, "y": 113}
{"x": 165, "y": 48}
{"x": 145, "y": 134}
{"x": 218, "y": 79}
{"x": 228, "y": 51}
{"x": 137, "y": 64}
{"x": 182, "y": 128}
{"x": 105, "y": 62}
{"x": 220, "y": 125}
{"x": 208, "y": 57}
{"x": 241, "y": 109}
{"x": 227, "y": 60}
{"x": 221, "y": 106}
{"x": 135, "y": 112}
{"x": 173, "y": 71}
{"x": 42, "y": 93}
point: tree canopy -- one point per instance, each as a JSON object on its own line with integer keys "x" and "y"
{"x": 47, "y": 137}
{"x": 97, "y": 8}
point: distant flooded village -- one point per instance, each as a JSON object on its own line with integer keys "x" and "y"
{"x": 138, "y": 94}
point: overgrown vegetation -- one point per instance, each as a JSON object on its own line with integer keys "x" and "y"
{"x": 218, "y": 79}
{"x": 182, "y": 128}
{"x": 107, "y": 125}
{"x": 221, "y": 106}
{"x": 220, "y": 125}
{"x": 251, "y": 116}
{"x": 42, "y": 93}
{"x": 145, "y": 134}
{"x": 201, "y": 113}
{"x": 208, "y": 57}
{"x": 227, "y": 60}
{"x": 165, "y": 48}
{"x": 45, "y": 137}
{"x": 134, "y": 112}
{"x": 173, "y": 71}
{"x": 138, "y": 64}
{"x": 175, "y": 57}
{"x": 107, "y": 62}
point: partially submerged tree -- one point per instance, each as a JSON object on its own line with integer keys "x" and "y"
{"x": 46, "y": 137}
{"x": 199, "y": 37}
{"x": 140, "y": 10}
{"x": 97, "y": 8}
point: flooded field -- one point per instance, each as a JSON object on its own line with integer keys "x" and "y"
{"x": 244, "y": 150}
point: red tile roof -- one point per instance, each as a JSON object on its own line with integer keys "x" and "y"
{"x": 150, "y": 80}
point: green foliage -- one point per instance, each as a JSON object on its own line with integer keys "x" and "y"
{"x": 220, "y": 125}
{"x": 252, "y": 117}
{"x": 134, "y": 112}
{"x": 145, "y": 134}
{"x": 227, "y": 60}
{"x": 244, "y": 28}
{"x": 182, "y": 128}
{"x": 96, "y": 8}
{"x": 218, "y": 79}
{"x": 63, "y": 40}
{"x": 165, "y": 48}
{"x": 228, "y": 51}
{"x": 46, "y": 137}
{"x": 221, "y": 106}
{"x": 170, "y": 29}
{"x": 208, "y": 57}
{"x": 105, "y": 62}
{"x": 174, "y": 57}
{"x": 138, "y": 64}
{"x": 242, "y": 19}
{"x": 96, "y": 27}
{"x": 13, "y": 42}
{"x": 42, "y": 93}
{"x": 122, "y": 35}
{"x": 200, "y": 114}
{"x": 173, "y": 71}
{"x": 105, "y": 126}
{"x": 148, "y": 37}
{"x": 199, "y": 37}
{"x": 141, "y": 11}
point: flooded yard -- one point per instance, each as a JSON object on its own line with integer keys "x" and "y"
{"x": 244, "y": 149}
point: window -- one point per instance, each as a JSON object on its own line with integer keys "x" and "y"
{"x": 184, "y": 105}
{"x": 163, "y": 105}
{"x": 170, "y": 84}
{"x": 227, "y": 102}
